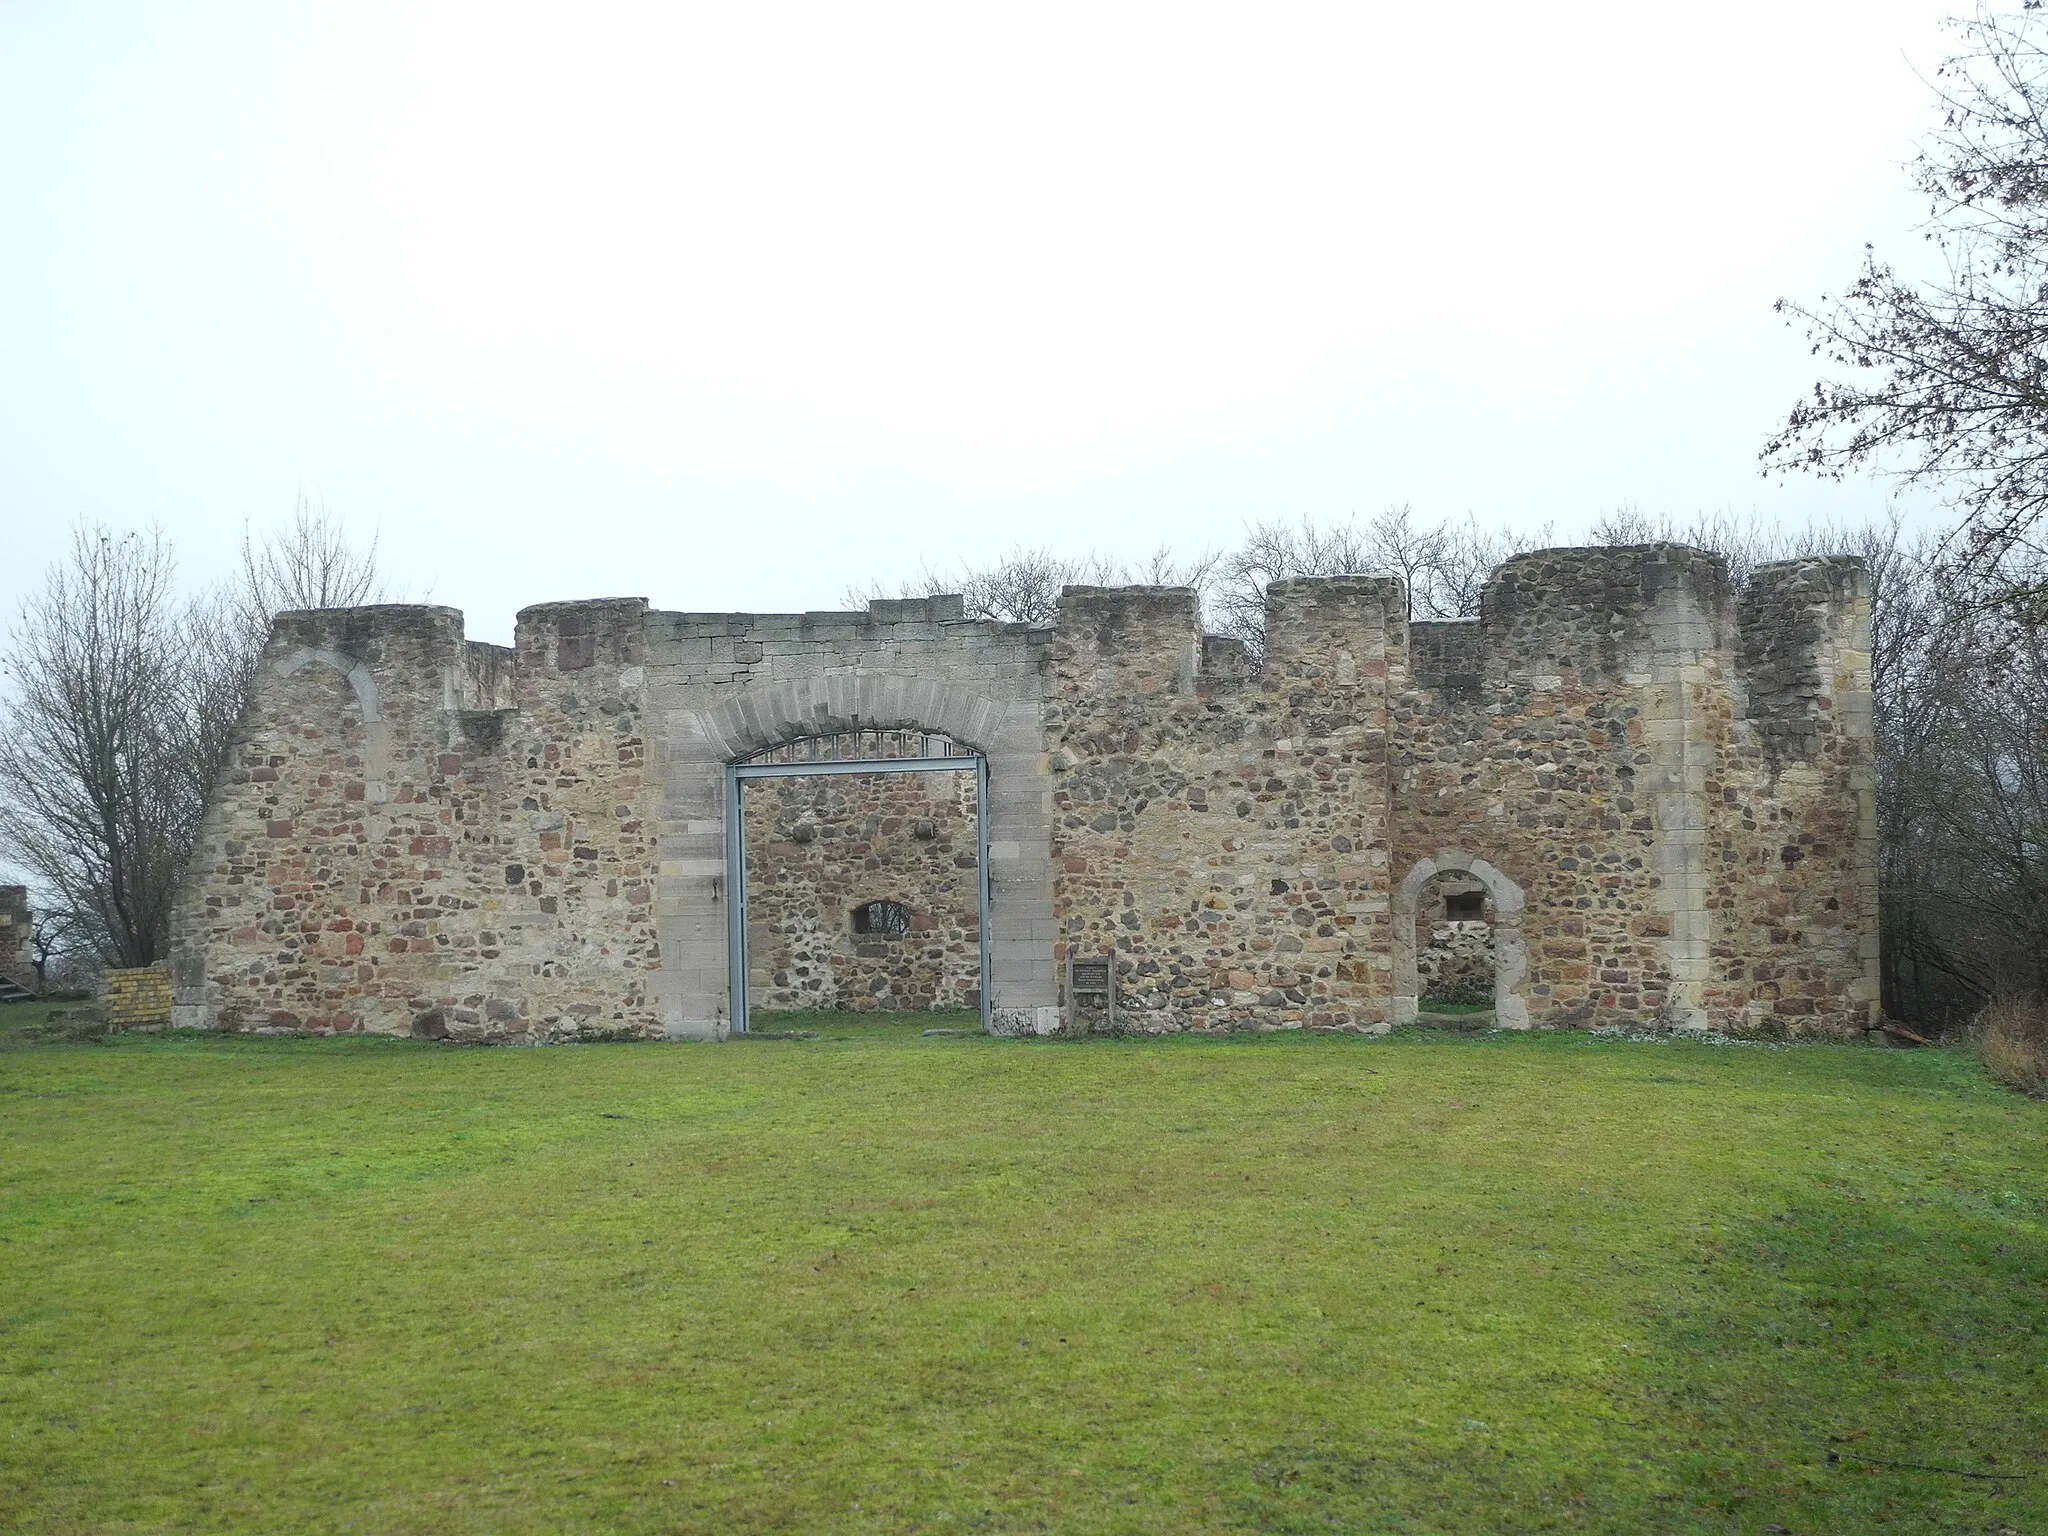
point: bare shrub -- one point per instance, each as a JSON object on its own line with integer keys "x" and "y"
{"x": 2014, "y": 1042}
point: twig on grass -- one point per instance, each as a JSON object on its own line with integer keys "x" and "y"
{"x": 1917, "y": 1466}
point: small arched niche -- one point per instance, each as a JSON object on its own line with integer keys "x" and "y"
{"x": 1451, "y": 880}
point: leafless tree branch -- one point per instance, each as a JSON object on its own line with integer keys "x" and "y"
{"x": 1944, "y": 383}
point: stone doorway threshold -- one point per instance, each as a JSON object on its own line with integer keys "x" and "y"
{"x": 1463, "y": 1023}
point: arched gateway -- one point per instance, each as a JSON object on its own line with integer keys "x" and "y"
{"x": 422, "y": 833}
{"x": 1510, "y": 961}
{"x": 1002, "y": 741}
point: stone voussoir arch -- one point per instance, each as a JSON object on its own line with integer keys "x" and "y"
{"x": 377, "y": 731}
{"x": 760, "y": 718}
{"x": 357, "y": 673}
{"x": 1510, "y": 959}
{"x": 708, "y": 739}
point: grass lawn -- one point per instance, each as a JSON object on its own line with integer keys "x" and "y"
{"x": 883, "y": 1281}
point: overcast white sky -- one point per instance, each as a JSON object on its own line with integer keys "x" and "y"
{"x": 732, "y": 306}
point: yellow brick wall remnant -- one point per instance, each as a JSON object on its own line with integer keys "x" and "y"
{"x": 137, "y": 999}
{"x": 1663, "y": 785}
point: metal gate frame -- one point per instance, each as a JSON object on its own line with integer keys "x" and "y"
{"x": 737, "y": 774}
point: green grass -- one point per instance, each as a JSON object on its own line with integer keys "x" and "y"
{"x": 892, "y": 1282}
{"x": 44, "y": 1023}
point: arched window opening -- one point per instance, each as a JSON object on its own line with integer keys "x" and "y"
{"x": 881, "y": 919}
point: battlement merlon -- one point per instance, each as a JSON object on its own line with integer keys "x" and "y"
{"x": 398, "y": 658}
{"x": 1134, "y": 640}
{"x": 1804, "y": 654}
{"x": 1593, "y": 617}
{"x": 573, "y": 637}
{"x": 383, "y": 636}
{"x": 1333, "y": 629}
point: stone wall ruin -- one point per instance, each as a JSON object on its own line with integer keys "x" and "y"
{"x": 17, "y": 947}
{"x": 1664, "y": 787}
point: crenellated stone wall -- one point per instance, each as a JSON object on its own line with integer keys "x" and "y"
{"x": 1225, "y": 837}
{"x": 425, "y": 836}
{"x": 1663, "y": 787}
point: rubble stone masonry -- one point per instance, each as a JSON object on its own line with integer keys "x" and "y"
{"x": 17, "y": 930}
{"x": 1663, "y": 786}
{"x": 820, "y": 848}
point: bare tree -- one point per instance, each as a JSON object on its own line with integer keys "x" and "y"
{"x": 1278, "y": 551}
{"x": 1744, "y": 542}
{"x": 1163, "y": 568}
{"x": 124, "y": 700}
{"x": 1444, "y": 566}
{"x": 1024, "y": 586}
{"x": 1467, "y": 558}
{"x": 1946, "y": 380}
{"x": 1963, "y": 780}
{"x": 95, "y": 757}
{"x": 307, "y": 564}
{"x": 54, "y": 945}
{"x": 1394, "y": 544}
